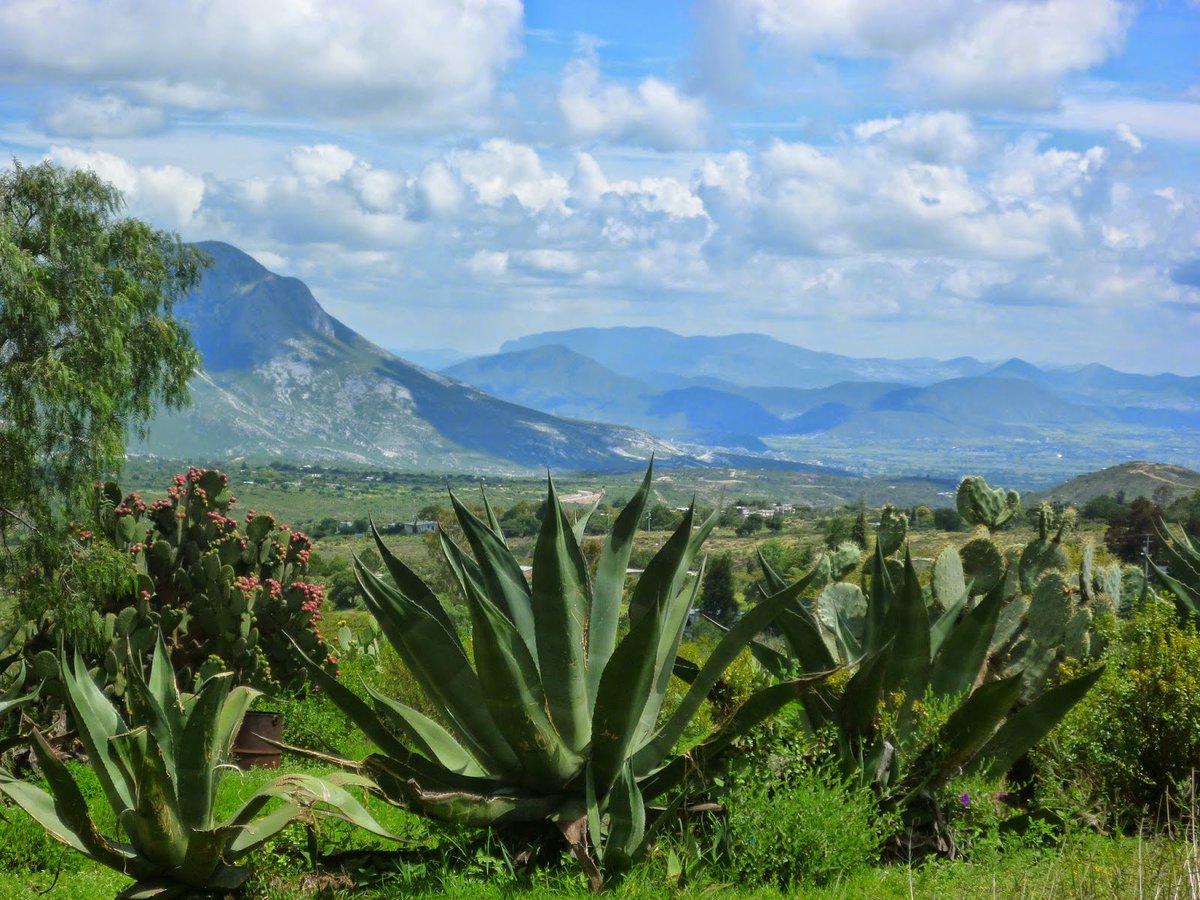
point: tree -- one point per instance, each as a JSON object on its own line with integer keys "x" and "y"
{"x": 717, "y": 599}
{"x": 859, "y": 534}
{"x": 89, "y": 348}
{"x": 1130, "y": 532}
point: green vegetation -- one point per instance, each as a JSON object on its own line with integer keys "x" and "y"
{"x": 89, "y": 345}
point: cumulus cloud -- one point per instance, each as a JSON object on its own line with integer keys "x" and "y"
{"x": 416, "y": 64}
{"x": 166, "y": 195}
{"x": 103, "y": 115}
{"x": 500, "y": 171}
{"x": 653, "y": 112}
{"x": 1007, "y": 53}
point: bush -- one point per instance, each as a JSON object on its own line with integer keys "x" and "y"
{"x": 804, "y": 826}
{"x": 1134, "y": 740}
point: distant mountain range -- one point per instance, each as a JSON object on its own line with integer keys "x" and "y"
{"x": 907, "y": 415}
{"x": 283, "y": 378}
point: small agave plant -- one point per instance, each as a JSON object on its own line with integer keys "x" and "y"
{"x": 160, "y": 772}
{"x": 558, "y": 719}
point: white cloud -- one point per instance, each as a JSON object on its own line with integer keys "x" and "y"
{"x": 934, "y": 137}
{"x": 417, "y": 64}
{"x": 103, "y": 115}
{"x": 322, "y": 163}
{"x": 167, "y": 196}
{"x": 1008, "y": 53}
{"x": 1172, "y": 120}
{"x": 501, "y": 170}
{"x": 653, "y": 113}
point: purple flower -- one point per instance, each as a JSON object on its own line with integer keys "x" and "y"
{"x": 964, "y": 799}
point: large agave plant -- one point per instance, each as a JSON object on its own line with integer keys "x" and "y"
{"x": 1181, "y": 575}
{"x": 920, "y": 709}
{"x": 159, "y": 771}
{"x": 558, "y": 718}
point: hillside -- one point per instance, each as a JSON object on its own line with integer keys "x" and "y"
{"x": 283, "y": 378}
{"x": 1133, "y": 479}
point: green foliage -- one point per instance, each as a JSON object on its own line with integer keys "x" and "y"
{"x": 804, "y": 826}
{"x": 160, "y": 771}
{"x": 920, "y": 709}
{"x": 717, "y": 598}
{"x": 553, "y": 719}
{"x": 1135, "y": 738}
{"x": 89, "y": 344}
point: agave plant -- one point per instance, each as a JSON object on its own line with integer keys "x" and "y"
{"x": 13, "y": 694}
{"x": 557, "y": 719}
{"x": 160, "y": 772}
{"x": 920, "y": 709}
{"x": 1181, "y": 575}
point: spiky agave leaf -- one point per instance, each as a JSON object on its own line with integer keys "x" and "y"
{"x": 556, "y": 718}
{"x": 160, "y": 773}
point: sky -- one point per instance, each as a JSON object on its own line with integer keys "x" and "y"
{"x": 992, "y": 178}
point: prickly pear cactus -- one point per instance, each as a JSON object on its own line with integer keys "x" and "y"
{"x": 222, "y": 596}
{"x": 982, "y": 505}
{"x": 983, "y": 565}
{"x": 841, "y": 613}
{"x": 948, "y": 581}
{"x": 844, "y": 560}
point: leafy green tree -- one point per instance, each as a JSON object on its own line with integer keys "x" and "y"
{"x": 837, "y": 531}
{"x": 859, "y": 533}
{"x": 751, "y": 524}
{"x": 88, "y": 345}
{"x": 717, "y": 599}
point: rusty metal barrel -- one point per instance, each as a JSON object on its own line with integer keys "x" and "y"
{"x": 250, "y": 750}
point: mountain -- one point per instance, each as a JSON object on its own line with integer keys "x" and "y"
{"x": 1133, "y": 479}
{"x": 283, "y": 378}
{"x": 656, "y": 355}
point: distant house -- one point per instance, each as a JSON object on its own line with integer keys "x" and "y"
{"x": 418, "y": 526}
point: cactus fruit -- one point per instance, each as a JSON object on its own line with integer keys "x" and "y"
{"x": 224, "y": 597}
{"x": 980, "y": 504}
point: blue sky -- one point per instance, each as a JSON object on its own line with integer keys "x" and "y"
{"x": 984, "y": 177}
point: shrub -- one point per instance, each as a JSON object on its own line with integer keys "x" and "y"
{"x": 804, "y": 825}
{"x": 1135, "y": 738}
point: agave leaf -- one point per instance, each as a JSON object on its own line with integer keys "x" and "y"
{"x": 621, "y": 699}
{"x": 429, "y": 771}
{"x": 945, "y": 623}
{"x": 908, "y": 620}
{"x": 155, "y": 824}
{"x": 431, "y": 739}
{"x": 163, "y": 687}
{"x": 669, "y": 640}
{"x": 492, "y": 520}
{"x": 957, "y": 665}
{"x": 610, "y": 585}
{"x": 863, "y": 693}
{"x": 579, "y": 528}
{"x": 441, "y": 669}
{"x": 664, "y": 574}
{"x": 513, "y": 692}
{"x": 464, "y": 568}
{"x": 64, "y": 812}
{"x": 411, "y": 585}
{"x": 233, "y": 711}
{"x": 502, "y": 577}
{"x": 879, "y": 603}
{"x": 775, "y": 582}
{"x": 561, "y": 590}
{"x": 200, "y": 752}
{"x": 463, "y": 807}
{"x": 626, "y": 822}
{"x": 146, "y": 707}
{"x": 1032, "y": 723}
{"x": 970, "y": 726}
{"x": 97, "y": 721}
{"x": 735, "y": 640}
